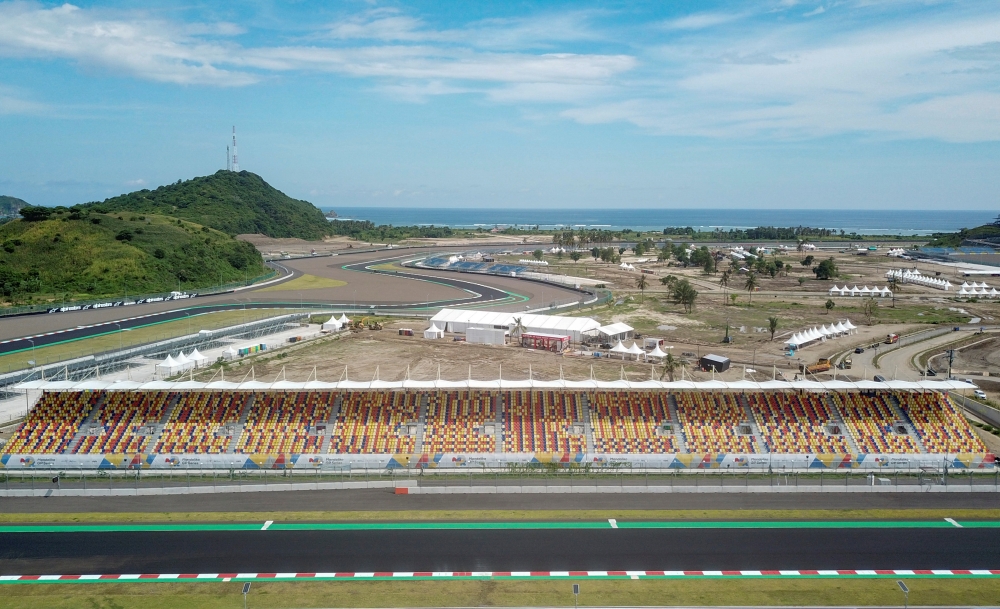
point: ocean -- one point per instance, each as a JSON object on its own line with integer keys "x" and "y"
{"x": 865, "y": 222}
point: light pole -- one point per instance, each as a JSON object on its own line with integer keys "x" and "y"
{"x": 119, "y": 335}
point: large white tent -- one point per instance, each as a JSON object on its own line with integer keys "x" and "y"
{"x": 460, "y": 320}
{"x": 333, "y": 324}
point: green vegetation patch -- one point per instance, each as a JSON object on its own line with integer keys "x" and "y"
{"x": 305, "y": 282}
{"x": 234, "y": 203}
{"x": 509, "y": 593}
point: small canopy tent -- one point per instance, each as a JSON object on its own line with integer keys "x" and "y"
{"x": 656, "y": 352}
{"x": 198, "y": 359}
{"x": 169, "y": 366}
{"x": 433, "y": 332}
{"x": 333, "y": 324}
{"x": 230, "y": 354}
{"x": 635, "y": 350}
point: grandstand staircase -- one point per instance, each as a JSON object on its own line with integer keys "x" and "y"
{"x": 499, "y": 431}
{"x": 588, "y": 430}
{"x": 324, "y": 442}
{"x": 910, "y": 429}
{"x": 680, "y": 442}
{"x": 758, "y": 437}
{"x": 418, "y": 442}
{"x": 81, "y": 433}
{"x": 152, "y": 440}
{"x": 832, "y": 405}
{"x": 234, "y": 441}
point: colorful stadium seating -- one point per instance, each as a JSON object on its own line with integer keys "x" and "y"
{"x": 375, "y": 423}
{"x": 121, "y": 419}
{"x": 456, "y": 421}
{"x": 543, "y": 421}
{"x": 795, "y": 423}
{"x": 198, "y": 421}
{"x": 941, "y": 428}
{"x": 279, "y": 422}
{"x": 627, "y": 421}
{"x": 710, "y": 423}
{"x": 870, "y": 418}
{"x": 52, "y": 423}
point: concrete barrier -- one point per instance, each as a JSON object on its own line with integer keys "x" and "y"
{"x": 201, "y": 489}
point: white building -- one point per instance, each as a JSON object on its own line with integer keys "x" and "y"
{"x": 460, "y": 320}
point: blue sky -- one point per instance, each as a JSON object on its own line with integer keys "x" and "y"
{"x": 771, "y": 104}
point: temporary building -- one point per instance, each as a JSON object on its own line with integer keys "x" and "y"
{"x": 333, "y": 324}
{"x": 230, "y": 354}
{"x": 183, "y": 361}
{"x": 714, "y": 362}
{"x": 460, "y": 320}
{"x": 620, "y": 348}
{"x": 849, "y": 325}
{"x": 636, "y": 351}
{"x": 486, "y": 336}
{"x": 344, "y": 320}
{"x": 544, "y": 341}
{"x": 615, "y": 331}
{"x": 433, "y": 332}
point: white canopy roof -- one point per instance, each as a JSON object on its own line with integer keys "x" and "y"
{"x": 182, "y": 360}
{"x": 619, "y": 348}
{"x": 615, "y": 328}
{"x": 656, "y": 352}
{"x": 849, "y": 325}
{"x": 95, "y": 385}
{"x": 197, "y": 357}
{"x": 635, "y": 350}
{"x": 343, "y": 319}
{"x": 502, "y": 318}
{"x": 433, "y": 328}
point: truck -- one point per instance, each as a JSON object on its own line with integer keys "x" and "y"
{"x": 846, "y": 363}
{"x": 821, "y": 365}
{"x": 891, "y": 339}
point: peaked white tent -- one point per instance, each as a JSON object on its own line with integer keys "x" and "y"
{"x": 333, "y": 324}
{"x": 169, "y": 366}
{"x": 198, "y": 359}
{"x": 635, "y": 350}
{"x": 344, "y": 320}
{"x": 656, "y": 352}
{"x": 433, "y": 332}
{"x": 230, "y": 354}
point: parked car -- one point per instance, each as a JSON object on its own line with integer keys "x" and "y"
{"x": 931, "y": 372}
{"x": 859, "y": 349}
{"x": 980, "y": 394}
{"x": 879, "y": 378}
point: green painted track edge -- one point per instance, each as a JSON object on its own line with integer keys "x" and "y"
{"x": 402, "y": 526}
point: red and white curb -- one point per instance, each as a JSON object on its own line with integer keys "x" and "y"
{"x": 390, "y": 575}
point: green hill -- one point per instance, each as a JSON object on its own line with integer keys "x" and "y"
{"x": 9, "y": 206}
{"x": 988, "y": 232}
{"x": 77, "y": 254}
{"x": 234, "y": 203}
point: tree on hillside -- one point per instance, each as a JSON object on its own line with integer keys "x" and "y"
{"x": 683, "y": 293}
{"x": 35, "y": 213}
{"x": 826, "y": 269}
{"x": 641, "y": 284}
{"x": 751, "y": 284}
{"x": 772, "y": 326}
{"x": 870, "y": 310}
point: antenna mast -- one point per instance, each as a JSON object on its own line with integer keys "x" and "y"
{"x": 236, "y": 159}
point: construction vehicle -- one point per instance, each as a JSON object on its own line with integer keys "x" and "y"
{"x": 821, "y": 365}
{"x": 845, "y": 364}
{"x": 891, "y": 339}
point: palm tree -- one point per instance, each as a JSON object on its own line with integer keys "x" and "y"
{"x": 641, "y": 284}
{"x": 724, "y": 282}
{"x": 772, "y": 326}
{"x": 518, "y": 328}
{"x": 751, "y": 284}
{"x": 894, "y": 285}
{"x": 670, "y": 365}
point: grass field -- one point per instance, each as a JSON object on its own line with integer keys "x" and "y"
{"x": 499, "y": 515}
{"x": 305, "y": 282}
{"x": 138, "y": 336}
{"x": 490, "y": 593}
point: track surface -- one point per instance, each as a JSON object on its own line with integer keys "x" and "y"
{"x": 379, "y": 499}
{"x": 492, "y": 550}
{"x": 416, "y": 289}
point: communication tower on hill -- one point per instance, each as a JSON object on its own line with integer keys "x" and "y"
{"x": 236, "y": 158}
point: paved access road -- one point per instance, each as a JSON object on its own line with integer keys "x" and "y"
{"x": 513, "y": 549}
{"x": 406, "y": 290}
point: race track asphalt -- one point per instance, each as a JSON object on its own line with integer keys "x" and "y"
{"x": 498, "y": 550}
{"x": 385, "y": 500}
{"x": 389, "y": 291}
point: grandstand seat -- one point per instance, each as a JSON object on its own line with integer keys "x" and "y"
{"x": 625, "y": 422}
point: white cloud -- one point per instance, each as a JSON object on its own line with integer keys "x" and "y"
{"x": 917, "y": 80}
{"x": 700, "y": 21}
{"x": 819, "y": 10}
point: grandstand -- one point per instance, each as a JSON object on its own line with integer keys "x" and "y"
{"x": 492, "y": 421}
